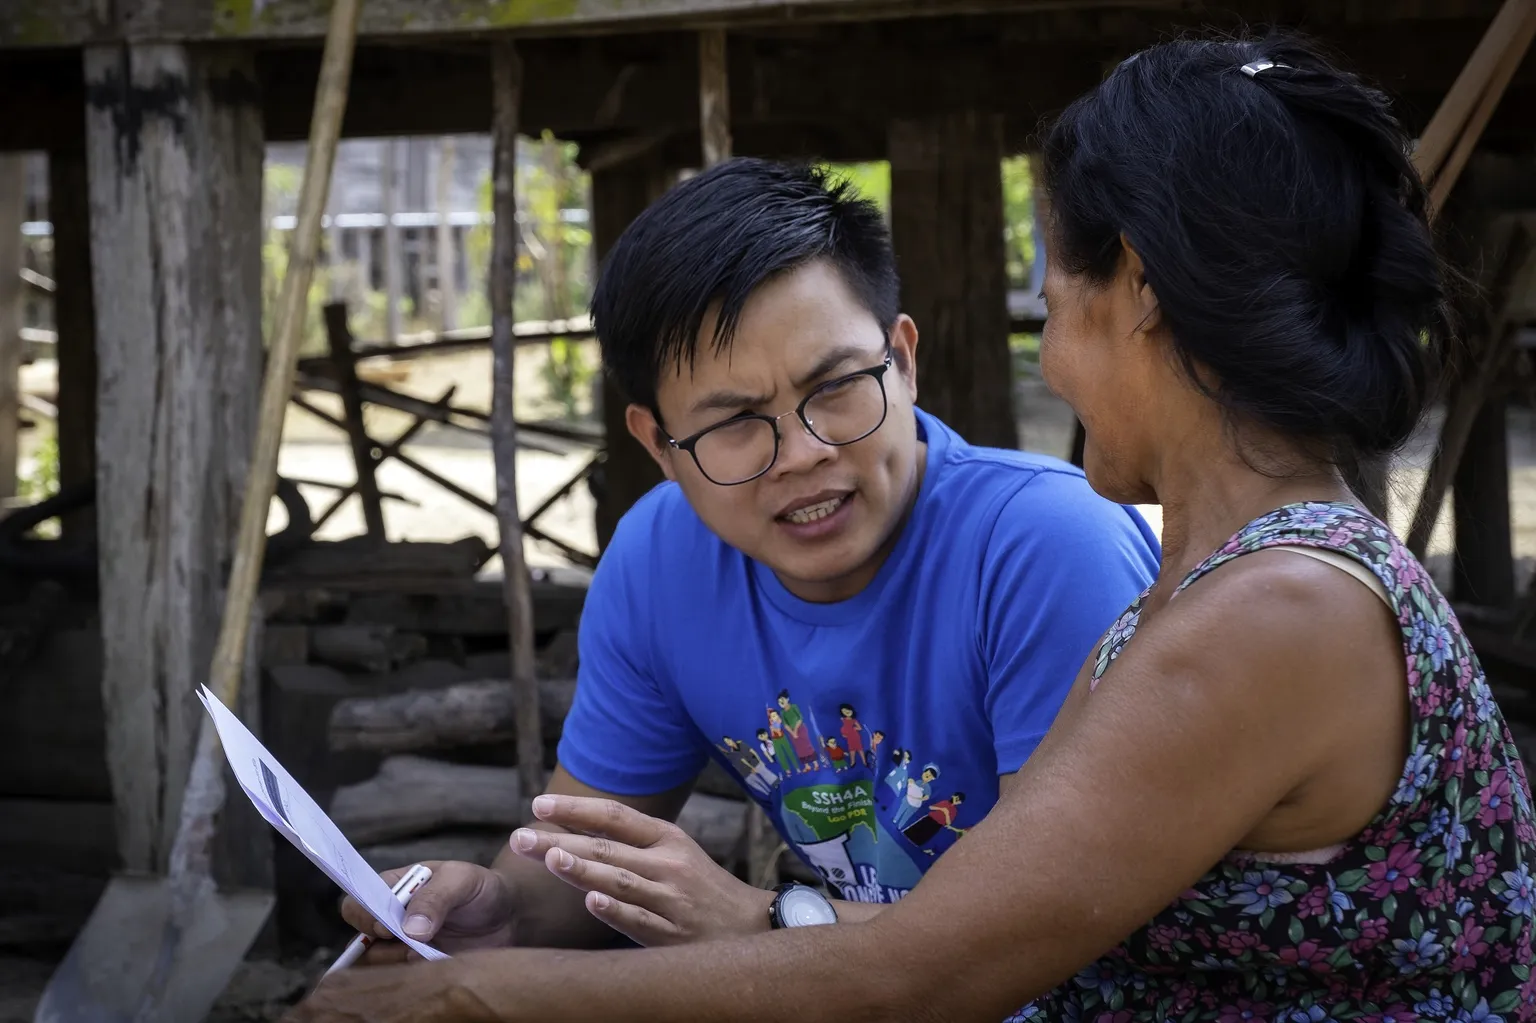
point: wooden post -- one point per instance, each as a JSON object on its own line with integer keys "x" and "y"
{"x": 1478, "y": 380}
{"x": 344, "y": 366}
{"x": 447, "y": 269}
{"x": 507, "y": 86}
{"x": 761, "y": 841}
{"x": 175, "y": 151}
{"x": 74, "y": 316}
{"x": 619, "y": 194}
{"x": 390, "y": 184}
{"x": 1484, "y": 566}
{"x": 947, "y": 228}
{"x": 714, "y": 97}
{"x": 13, "y": 180}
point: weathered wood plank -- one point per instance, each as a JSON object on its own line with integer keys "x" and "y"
{"x": 66, "y": 22}
{"x": 947, "y": 228}
{"x": 175, "y": 148}
{"x": 463, "y": 714}
{"x": 415, "y": 796}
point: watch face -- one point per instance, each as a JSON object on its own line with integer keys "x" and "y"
{"x": 805, "y": 907}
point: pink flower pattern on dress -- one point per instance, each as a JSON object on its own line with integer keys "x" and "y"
{"x": 1429, "y": 913}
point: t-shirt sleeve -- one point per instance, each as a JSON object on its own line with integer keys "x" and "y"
{"x": 627, "y": 733}
{"x": 1062, "y": 564}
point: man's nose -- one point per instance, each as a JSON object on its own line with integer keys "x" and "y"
{"x": 799, "y": 448}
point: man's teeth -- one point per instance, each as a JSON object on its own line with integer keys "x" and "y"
{"x": 800, "y": 516}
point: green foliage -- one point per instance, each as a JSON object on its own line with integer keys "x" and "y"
{"x": 1025, "y": 352}
{"x": 43, "y": 481}
{"x": 568, "y": 374}
{"x": 871, "y": 180}
{"x": 281, "y": 186}
{"x": 1018, "y": 219}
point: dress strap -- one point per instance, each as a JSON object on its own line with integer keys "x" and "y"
{"x": 1343, "y": 563}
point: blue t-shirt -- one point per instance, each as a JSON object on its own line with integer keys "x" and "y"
{"x": 872, "y": 730}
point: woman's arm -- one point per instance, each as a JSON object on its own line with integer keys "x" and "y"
{"x": 1221, "y": 707}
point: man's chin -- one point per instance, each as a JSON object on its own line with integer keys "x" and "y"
{"x": 825, "y": 576}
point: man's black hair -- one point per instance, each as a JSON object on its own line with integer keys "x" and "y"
{"x": 717, "y": 237}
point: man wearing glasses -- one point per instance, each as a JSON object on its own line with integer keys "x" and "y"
{"x": 821, "y": 544}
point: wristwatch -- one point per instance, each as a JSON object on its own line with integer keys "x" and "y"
{"x": 799, "y": 905}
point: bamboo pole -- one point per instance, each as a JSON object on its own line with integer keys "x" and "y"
{"x": 507, "y": 87}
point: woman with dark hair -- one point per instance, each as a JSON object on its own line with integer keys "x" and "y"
{"x": 1281, "y": 789}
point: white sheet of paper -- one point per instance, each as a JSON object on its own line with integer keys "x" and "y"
{"x": 297, "y": 817}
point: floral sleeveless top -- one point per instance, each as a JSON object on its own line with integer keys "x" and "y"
{"x": 1427, "y": 914}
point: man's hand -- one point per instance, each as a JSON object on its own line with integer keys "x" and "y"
{"x": 463, "y": 906}
{"x": 643, "y": 877}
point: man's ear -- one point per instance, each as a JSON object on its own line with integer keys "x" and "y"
{"x": 644, "y": 428}
{"x": 904, "y": 353}
{"x": 1140, "y": 291}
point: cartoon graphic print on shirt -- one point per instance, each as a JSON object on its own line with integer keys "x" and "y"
{"x": 860, "y": 818}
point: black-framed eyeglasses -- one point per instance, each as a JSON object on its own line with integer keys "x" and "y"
{"x": 838, "y": 413}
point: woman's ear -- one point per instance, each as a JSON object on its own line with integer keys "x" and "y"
{"x": 1133, "y": 274}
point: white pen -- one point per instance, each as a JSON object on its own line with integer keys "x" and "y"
{"x": 410, "y": 882}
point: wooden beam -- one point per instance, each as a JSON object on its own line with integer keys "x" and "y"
{"x": 389, "y": 185}
{"x": 344, "y": 369}
{"x": 947, "y": 227}
{"x": 714, "y": 97}
{"x": 447, "y": 246}
{"x": 1483, "y": 569}
{"x": 1484, "y": 75}
{"x": 1480, "y": 378}
{"x": 1026, "y": 64}
{"x": 13, "y": 180}
{"x": 175, "y": 153}
{"x": 74, "y": 314}
{"x": 507, "y": 88}
{"x": 619, "y": 194}
{"x": 73, "y": 22}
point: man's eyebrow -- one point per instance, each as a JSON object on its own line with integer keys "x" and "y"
{"x": 728, "y": 401}
{"x": 827, "y": 363}
{"x": 725, "y": 400}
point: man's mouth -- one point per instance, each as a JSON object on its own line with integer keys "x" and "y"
{"x": 811, "y": 513}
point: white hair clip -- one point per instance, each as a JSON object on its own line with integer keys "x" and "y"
{"x": 1252, "y": 69}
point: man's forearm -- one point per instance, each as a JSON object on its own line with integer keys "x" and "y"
{"x": 548, "y": 913}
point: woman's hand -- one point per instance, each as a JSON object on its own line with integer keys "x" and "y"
{"x": 643, "y": 877}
